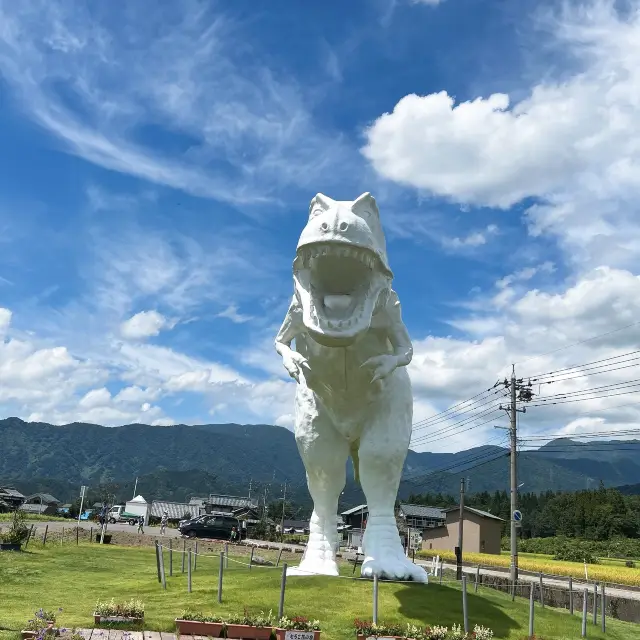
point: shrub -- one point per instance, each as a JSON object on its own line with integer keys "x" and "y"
{"x": 575, "y": 553}
{"x": 630, "y": 563}
{"x": 19, "y": 531}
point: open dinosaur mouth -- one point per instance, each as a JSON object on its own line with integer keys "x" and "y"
{"x": 338, "y": 285}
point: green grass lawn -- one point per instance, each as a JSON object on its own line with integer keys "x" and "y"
{"x": 75, "y": 577}
{"x": 7, "y": 517}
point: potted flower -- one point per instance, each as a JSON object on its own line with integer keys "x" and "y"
{"x": 131, "y": 611}
{"x": 248, "y": 627}
{"x": 366, "y": 629}
{"x": 17, "y": 535}
{"x": 426, "y": 633}
{"x": 40, "y": 625}
{"x": 197, "y": 624}
{"x": 297, "y": 628}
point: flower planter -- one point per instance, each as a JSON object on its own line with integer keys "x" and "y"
{"x": 10, "y": 546}
{"x": 97, "y": 619}
{"x": 363, "y": 637}
{"x": 197, "y": 628}
{"x": 295, "y": 634}
{"x": 28, "y": 633}
{"x": 246, "y": 632}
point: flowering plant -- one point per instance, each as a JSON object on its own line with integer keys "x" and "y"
{"x": 132, "y": 609}
{"x": 427, "y": 633}
{"x": 298, "y": 623}
{"x": 261, "y": 620}
{"x": 367, "y": 628}
{"x": 198, "y": 616}
{"x": 41, "y": 620}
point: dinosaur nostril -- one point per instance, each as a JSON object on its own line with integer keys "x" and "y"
{"x": 343, "y": 226}
{"x": 324, "y": 226}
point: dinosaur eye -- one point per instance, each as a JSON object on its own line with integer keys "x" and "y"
{"x": 316, "y": 212}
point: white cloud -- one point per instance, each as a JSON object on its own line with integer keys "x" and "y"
{"x": 231, "y": 313}
{"x": 238, "y": 129}
{"x": 472, "y": 240}
{"x": 573, "y": 143}
{"x": 431, "y": 3}
{"x": 143, "y": 325}
{"x": 448, "y": 370}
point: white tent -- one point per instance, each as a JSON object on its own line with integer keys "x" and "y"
{"x": 139, "y": 506}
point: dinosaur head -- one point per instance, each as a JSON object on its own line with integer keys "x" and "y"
{"x": 341, "y": 272}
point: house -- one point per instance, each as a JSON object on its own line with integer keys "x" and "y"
{"x": 10, "y": 499}
{"x": 355, "y": 521}
{"x": 416, "y": 516}
{"x": 229, "y": 504}
{"x": 248, "y": 516}
{"x": 41, "y": 504}
{"x": 176, "y": 511}
{"x": 296, "y": 526}
{"x": 481, "y": 532}
{"x": 356, "y": 516}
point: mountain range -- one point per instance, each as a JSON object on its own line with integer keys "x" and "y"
{"x": 180, "y": 461}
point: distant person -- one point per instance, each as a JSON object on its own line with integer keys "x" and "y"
{"x": 163, "y": 522}
{"x": 234, "y": 534}
{"x": 140, "y": 524}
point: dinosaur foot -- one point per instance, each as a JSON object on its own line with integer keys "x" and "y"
{"x": 393, "y": 568}
{"x": 313, "y": 567}
{"x": 384, "y": 555}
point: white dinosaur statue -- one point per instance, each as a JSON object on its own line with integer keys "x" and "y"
{"x": 354, "y": 394}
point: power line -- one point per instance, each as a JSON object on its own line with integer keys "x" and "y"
{"x": 575, "y": 344}
{"x": 453, "y": 430}
{"x": 592, "y": 434}
{"x": 456, "y": 465}
{"x": 581, "y": 366}
{"x": 560, "y": 401}
{"x": 443, "y": 415}
{"x": 425, "y": 482}
{"x": 614, "y": 386}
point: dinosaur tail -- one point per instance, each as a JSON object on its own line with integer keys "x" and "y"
{"x": 356, "y": 464}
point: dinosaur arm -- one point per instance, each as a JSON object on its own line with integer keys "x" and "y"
{"x": 291, "y": 327}
{"x": 397, "y": 332}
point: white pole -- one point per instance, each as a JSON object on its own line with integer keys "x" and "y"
{"x": 135, "y": 487}
{"x": 82, "y": 492}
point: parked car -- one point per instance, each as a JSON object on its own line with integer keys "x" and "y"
{"x": 211, "y": 525}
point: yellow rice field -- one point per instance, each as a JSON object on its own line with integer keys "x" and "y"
{"x": 600, "y": 573}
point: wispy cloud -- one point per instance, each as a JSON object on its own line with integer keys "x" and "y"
{"x": 233, "y": 130}
{"x": 231, "y": 313}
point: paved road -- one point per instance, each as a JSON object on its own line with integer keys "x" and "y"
{"x": 559, "y": 583}
{"x": 68, "y": 524}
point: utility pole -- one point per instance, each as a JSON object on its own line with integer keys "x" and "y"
{"x": 135, "y": 488}
{"x": 250, "y": 485}
{"x": 518, "y": 392}
{"x": 284, "y": 501}
{"x": 460, "y": 532}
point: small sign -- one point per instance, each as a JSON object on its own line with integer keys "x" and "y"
{"x": 517, "y": 515}
{"x": 298, "y": 635}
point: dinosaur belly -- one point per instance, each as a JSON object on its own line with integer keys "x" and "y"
{"x": 341, "y": 389}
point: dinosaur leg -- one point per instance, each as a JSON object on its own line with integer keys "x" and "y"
{"x": 383, "y": 449}
{"x": 324, "y": 453}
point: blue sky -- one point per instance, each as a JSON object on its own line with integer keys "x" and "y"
{"x": 158, "y": 160}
